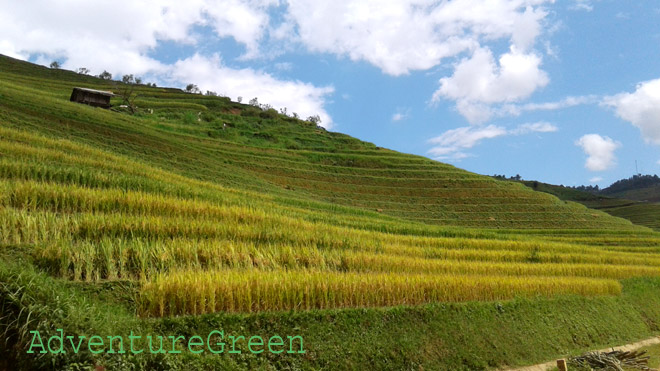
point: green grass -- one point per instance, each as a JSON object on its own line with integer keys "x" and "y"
{"x": 375, "y": 257}
{"x": 653, "y": 351}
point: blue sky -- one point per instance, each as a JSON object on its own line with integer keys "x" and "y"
{"x": 566, "y": 92}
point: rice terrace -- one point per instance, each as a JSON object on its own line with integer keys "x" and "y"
{"x": 157, "y": 228}
{"x": 253, "y": 222}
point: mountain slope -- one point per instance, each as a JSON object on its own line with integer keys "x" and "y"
{"x": 644, "y": 188}
{"x": 198, "y": 214}
{"x": 240, "y": 146}
{"x": 639, "y": 212}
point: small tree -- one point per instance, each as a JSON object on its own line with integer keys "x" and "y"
{"x": 128, "y": 79}
{"x": 55, "y": 65}
{"x": 316, "y": 119}
{"x": 105, "y": 75}
{"x": 83, "y": 71}
{"x": 211, "y": 93}
{"x": 129, "y": 97}
{"x": 254, "y": 102}
{"x": 239, "y": 99}
{"x": 138, "y": 80}
{"x": 127, "y": 93}
{"x": 193, "y": 89}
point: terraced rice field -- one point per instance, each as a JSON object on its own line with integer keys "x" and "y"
{"x": 272, "y": 213}
{"x": 643, "y": 214}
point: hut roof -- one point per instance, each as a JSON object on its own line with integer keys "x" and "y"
{"x": 101, "y": 92}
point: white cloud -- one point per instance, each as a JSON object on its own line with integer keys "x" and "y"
{"x": 283, "y": 66}
{"x": 302, "y": 98}
{"x": 582, "y": 5}
{"x": 537, "y": 127}
{"x": 118, "y": 35}
{"x": 245, "y": 21}
{"x": 398, "y": 117}
{"x": 600, "y": 151}
{"x": 453, "y": 143}
{"x": 596, "y": 179}
{"x": 479, "y": 81}
{"x": 401, "y": 114}
{"x": 402, "y": 36}
{"x": 641, "y": 108}
{"x": 517, "y": 109}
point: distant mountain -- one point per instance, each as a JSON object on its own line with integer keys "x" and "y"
{"x": 636, "y": 198}
{"x": 638, "y": 187}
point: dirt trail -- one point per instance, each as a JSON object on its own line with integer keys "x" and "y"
{"x": 625, "y": 348}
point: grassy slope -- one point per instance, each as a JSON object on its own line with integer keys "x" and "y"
{"x": 629, "y": 205}
{"x": 277, "y": 157}
{"x": 648, "y": 194}
{"x": 295, "y": 176}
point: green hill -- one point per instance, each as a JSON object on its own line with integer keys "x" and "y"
{"x": 198, "y": 213}
{"x": 644, "y": 188}
{"x": 622, "y": 199}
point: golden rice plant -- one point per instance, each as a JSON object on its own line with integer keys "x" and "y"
{"x": 194, "y": 292}
{"x": 135, "y": 258}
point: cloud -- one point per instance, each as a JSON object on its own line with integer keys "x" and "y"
{"x": 244, "y": 21}
{"x": 453, "y": 143}
{"x": 283, "y": 66}
{"x": 596, "y": 179}
{"x": 479, "y": 81}
{"x": 398, "y": 117}
{"x": 600, "y": 151}
{"x": 517, "y": 109}
{"x": 302, "y": 98}
{"x": 401, "y": 114}
{"x": 407, "y": 35}
{"x": 582, "y": 5}
{"x": 641, "y": 108}
{"x": 537, "y": 127}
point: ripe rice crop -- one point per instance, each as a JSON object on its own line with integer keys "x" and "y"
{"x": 192, "y": 292}
{"x": 142, "y": 258}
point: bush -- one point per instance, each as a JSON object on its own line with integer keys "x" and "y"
{"x": 269, "y": 114}
{"x": 250, "y": 111}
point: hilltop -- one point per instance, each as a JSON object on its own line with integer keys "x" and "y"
{"x": 196, "y": 213}
{"x": 639, "y": 187}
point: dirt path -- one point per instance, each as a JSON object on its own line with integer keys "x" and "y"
{"x": 625, "y": 348}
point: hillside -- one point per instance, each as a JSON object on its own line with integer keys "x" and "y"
{"x": 644, "y": 188}
{"x": 613, "y": 201}
{"x": 199, "y": 213}
{"x": 240, "y": 146}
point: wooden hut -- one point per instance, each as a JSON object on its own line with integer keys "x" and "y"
{"x": 96, "y": 98}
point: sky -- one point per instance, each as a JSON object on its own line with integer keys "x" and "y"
{"x": 564, "y": 92}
